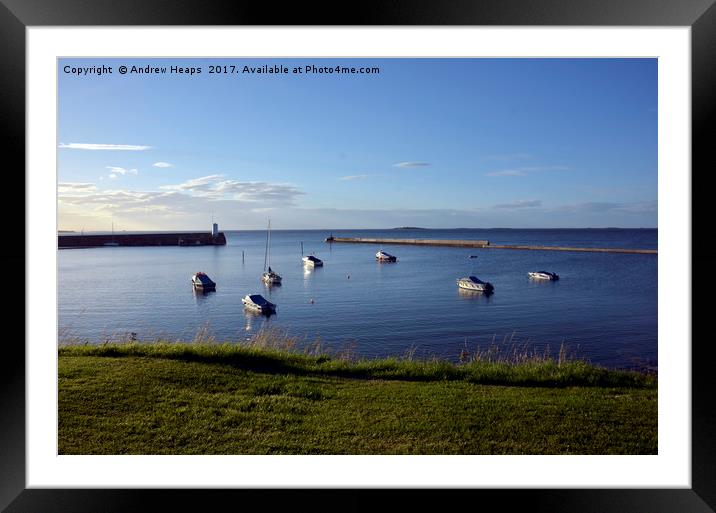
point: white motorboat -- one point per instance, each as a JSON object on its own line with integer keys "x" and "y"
{"x": 475, "y": 284}
{"x": 312, "y": 261}
{"x": 382, "y": 256}
{"x": 543, "y": 275}
{"x": 201, "y": 281}
{"x": 269, "y": 277}
{"x": 258, "y": 303}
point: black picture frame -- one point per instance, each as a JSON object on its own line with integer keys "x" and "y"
{"x": 699, "y": 15}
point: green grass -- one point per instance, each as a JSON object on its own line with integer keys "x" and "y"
{"x": 208, "y": 398}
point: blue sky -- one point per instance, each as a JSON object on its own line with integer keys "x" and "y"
{"x": 438, "y": 143}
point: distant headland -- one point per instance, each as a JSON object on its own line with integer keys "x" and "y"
{"x": 409, "y": 228}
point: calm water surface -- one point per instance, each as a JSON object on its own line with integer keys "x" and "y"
{"x": 603, "y": 308}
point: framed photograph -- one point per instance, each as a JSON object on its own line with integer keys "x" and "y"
{"x": 203, "y": 323}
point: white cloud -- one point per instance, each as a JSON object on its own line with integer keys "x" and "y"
{"x": 545, "y": 168}
{"x": 411, "y": 164}
{"x": 639, "y": 207}
{"x": 216, "y": 187}
{"x": 520, "y": 204}
{"x": 202, "y": 185}
{"x": 353, "y": 177}
{"x": 164, "y": 208}
{"x": 162, "y": 164}
{"x": 75, "y": 187}
{"x": 507, "y": 172}
{"x": 526, "y": 170}
{"x": 175, "y": 210}
{"x": 259, "y": 191}
{"x": 123, "y": 201}
{"x": 120, "y": 147}
{"x": 122, "y": 171}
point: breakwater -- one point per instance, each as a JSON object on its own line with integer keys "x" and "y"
{"x": 486, "y": 245}
{"x": 141, "y": 239}
{"x": 422, "y": 242}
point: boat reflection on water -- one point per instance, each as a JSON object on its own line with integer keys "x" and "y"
{"x": 255, "y": 320}
{"x": 258, "y": 314}
{"x": 202, "y": 294}
{"x": 474, "y": 294}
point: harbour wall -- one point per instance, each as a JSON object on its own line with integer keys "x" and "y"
{"x": 484, "y": 244}
{"x": 141, "y": 239}
{"x": 426, "y": 242}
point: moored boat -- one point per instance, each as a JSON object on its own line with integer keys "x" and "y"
{"x": 475, "y": 284}
{"x": 200, "y": 280}
{"x": 269, "y": 277}
{"x": 258, "y": 303}
{"x": 382, "y": 256}
{"x": 543, "y": 275}
{"x": 312, "y": 261}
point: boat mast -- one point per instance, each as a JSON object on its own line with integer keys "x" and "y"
{"x": 268, "y": 245}
{"x": 268, "y": 234}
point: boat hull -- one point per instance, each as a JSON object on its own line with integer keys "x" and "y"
{"x": 475, "y": 288}
{"x": 257, "y": 308}
{"x": 543, "y": 276}
{"x": 206, "y": 284}
{"x": 382, "y": 256}
{"x": 258, "y": 303}
{"x": 475, "y": 285}
{"x": 271, "y": 279}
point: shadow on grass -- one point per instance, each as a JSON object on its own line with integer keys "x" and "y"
{"x": 545, "y": 373}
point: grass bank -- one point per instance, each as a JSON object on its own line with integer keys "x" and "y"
{"x": 209, "y": 398}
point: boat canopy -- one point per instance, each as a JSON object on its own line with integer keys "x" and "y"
{"x": 259, "y": 300}
{"x": 204, "y": 279}
{"x": 313, "y": 259}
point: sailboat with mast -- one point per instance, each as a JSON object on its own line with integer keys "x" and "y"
{"x": 269, "y": 277}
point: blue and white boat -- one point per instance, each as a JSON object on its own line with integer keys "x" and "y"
{"x": 201, "y": 281}
{"x": 382, "y": 256}
{"x": 543, "y": 275}
{"x": 258, "y": 303}
{"x": 475, "y": 284}
{"x": 312, "y": 261}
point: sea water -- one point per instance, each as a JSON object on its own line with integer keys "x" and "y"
{"x": 603, "y": 308}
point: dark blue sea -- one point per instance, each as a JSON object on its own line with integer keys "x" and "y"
{"x": 603, "y": 308}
